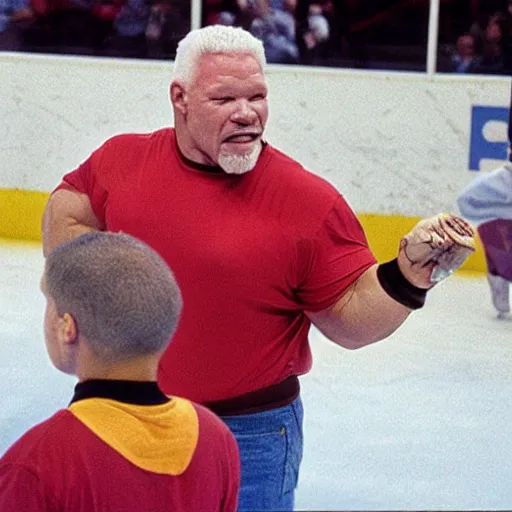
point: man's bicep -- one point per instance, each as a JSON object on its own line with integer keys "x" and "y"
{"x": 68, "y": 214}
{"x": 332, "y": 320}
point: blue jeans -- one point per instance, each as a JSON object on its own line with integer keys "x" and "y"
{"x": 270, "y": 445}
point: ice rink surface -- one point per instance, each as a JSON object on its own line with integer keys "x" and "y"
{"x": 420, "y": 421}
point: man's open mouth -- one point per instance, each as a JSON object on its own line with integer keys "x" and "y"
{"x": 242, "y": 137}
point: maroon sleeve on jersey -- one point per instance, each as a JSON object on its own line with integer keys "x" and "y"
{"x": 230, "y": 501}
{"x": 21, "y": 489}
{"x": 337, "y": 256}
{"x": 218, "y": 443}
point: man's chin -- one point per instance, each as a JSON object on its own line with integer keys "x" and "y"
{"x": 233, "y": 163}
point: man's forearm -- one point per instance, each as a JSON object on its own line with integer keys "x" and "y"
{"x": 384, "y": 296}
{"x": 364, "y": 315}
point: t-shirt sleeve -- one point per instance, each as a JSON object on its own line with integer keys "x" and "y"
{"x": 333, "y": 259}
{"x": 87, "y": 178}
{"x": 21, "y": 489}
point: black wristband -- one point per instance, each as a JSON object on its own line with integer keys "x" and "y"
{"x": 398, "y": 288}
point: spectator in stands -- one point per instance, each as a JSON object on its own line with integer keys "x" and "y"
{"x": 275, "y": 27}
{"x": 129, "y": 30}
{"x": 313, "y": 30}
{"x": 70, "y": 26}
{"x": 492, "y": 59}
{"x": 13, "y": 15}
{"x": 318, "y": 28}
{"x": 507, "y": 38}
{"x": 168, "y": 23}
{"x": 464, "y": 59}
{"x": 238, "y": 13}
{"x": 103, "y": 16}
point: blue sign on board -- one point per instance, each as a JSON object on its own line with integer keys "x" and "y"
{"x": 480, "y": 148}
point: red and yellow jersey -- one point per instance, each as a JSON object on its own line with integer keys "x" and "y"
{"x": 105, "y": 455}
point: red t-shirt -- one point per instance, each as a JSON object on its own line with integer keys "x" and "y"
{"x": 251, "y": 254}
{"x": 174, "y": 456}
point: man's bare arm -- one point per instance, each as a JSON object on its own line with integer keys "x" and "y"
{"x": 365, "y": 314}
{"x": 68, "y": 214}
{"x": 384, "y": 296}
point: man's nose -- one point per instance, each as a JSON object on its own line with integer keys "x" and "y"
{"x": 243, "y": 112}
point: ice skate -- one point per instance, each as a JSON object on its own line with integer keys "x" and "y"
{"x": 499, "y": 294}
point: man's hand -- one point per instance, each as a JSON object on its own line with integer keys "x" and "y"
{"x": 434, "y": 249}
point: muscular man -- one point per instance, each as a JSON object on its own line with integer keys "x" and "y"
{"x": 261, "y": 248}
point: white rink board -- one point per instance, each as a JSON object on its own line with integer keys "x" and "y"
{"x": 393, "y": 143}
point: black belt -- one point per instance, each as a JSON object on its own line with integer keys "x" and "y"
{"x": 271, "y": 397}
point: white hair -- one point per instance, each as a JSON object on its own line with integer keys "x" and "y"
{"x": 214, "y": 39}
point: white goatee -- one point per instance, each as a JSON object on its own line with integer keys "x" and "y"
{"x": 239, "y": 164}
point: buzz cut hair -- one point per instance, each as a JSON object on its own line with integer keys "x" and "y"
{"x": 214, "y": 39}
{"x": 122, "y": 295}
